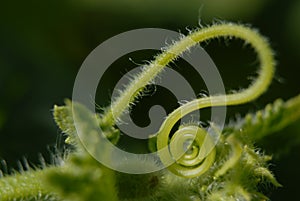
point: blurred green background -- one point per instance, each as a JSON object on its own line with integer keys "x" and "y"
{"x": 43, "y": 44}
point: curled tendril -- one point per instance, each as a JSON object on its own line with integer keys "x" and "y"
{"x": 187, "y": 148}
{"x": 265, "y": 56}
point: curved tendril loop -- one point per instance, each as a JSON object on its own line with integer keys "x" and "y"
{"x": 188, "y": 141}
{"x": 265, "y": 56}
{"x": 267, "y": 62}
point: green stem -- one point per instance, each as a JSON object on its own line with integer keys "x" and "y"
{"x": 24, "y": 186}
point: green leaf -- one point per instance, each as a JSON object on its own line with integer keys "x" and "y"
{"x": 274, "y": 117}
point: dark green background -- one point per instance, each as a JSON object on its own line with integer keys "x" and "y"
{"x": 43, "y": 44}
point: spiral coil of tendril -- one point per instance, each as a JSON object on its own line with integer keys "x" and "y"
{"x": 201, "y": 155}
{"x": 192, "y": 151}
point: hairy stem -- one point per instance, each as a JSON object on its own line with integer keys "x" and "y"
{"x": 25, "y": 186}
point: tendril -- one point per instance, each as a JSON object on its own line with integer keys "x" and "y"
{"x": 190, "y": 140}
{"x": 204, "y": 150}
{"x": 266, "y": 59}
